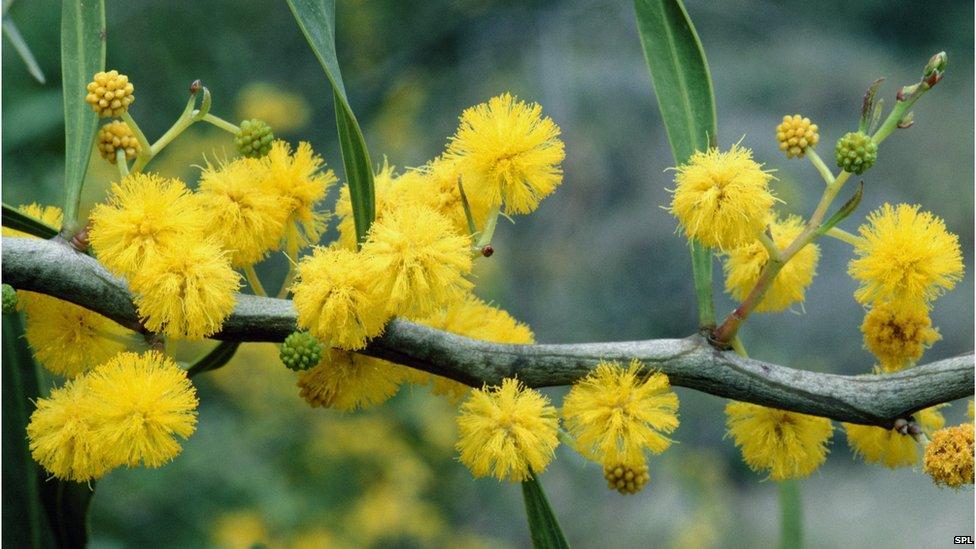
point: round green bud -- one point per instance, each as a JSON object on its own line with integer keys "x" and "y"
{"x": 9, "y": 299}
{"x": 856, "y": 152}
{"x": 254, "y": 138}
{"x": 300, "y": 351}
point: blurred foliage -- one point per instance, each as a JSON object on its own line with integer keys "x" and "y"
{"x": 589, "y": 265}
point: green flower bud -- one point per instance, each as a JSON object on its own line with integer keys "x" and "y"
{"x": 301, "y": 351}
{"x": 9, "y": 299}
{"x": 254, "y": 139}
{"x": 856, "y": 152}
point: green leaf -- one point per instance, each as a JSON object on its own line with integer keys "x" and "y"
{"x": 316, "y": 18}
{"x": 67, "y": 505}
{"x": 23, "y": 50}
{"x": 82, "y": 55}
{"x": 545, "y": 530}
{"x": 216, "y": 358}
{"x": 24, "y": 521}
{"x": 19, "y": 221}
{"x": 683, "y": 88}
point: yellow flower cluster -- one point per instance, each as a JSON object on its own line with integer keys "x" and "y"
{"x": 898, "y": 332}
{"x": 508, "y": 432}
{"x": 889, "y": 447}
{"x": 722, "y": 199}
{"x": 795, "y": 134}
{"x": 129, "y": 410}
{"x": 116, "y": 136}
{"x": 788, "y": 445}
{"x": 949, "y": 456}
{"x": 744, "y": 264}
{"x": 110, "y": 93}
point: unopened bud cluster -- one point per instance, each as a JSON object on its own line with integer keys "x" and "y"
{"x": 110, "y": 94}
{"x": 9, "y": 299}
{"x": 254, "y": 138}
{"x": 115, "y": 136}
{"x": 626, "y": 479}
{"x": 795, "y": 134}
{"x": 300, "y": 351}
{"x": 856, "y": 152}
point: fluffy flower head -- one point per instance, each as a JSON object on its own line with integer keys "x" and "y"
{"x": 722, "y": 198}
{"x": 386, "y": 183}
{"x": 787, "y": 444}
{"x": 248, "y": 220}
{"x": 507, "y": 432}
{"x": 60, "y": 435}
{"x": 436, "y": 186}
{"x": 615, "y": 413}
{"x": 508, "y": 152}
{"x": 888, "y": 447}
{"x": 347, "y": 381}
{"x": 337, "y": 299}
{"x": 905, "y": 254}
{"x": 146, "y": 216}
{"x": 745, "y": 263}
{"x": 949, "y": 456}
{"x": 300, "y": 184}
{"x": 187, "y": 292}
{"x": 419, "y": 261}
{"x": 68, "y": 339}
{"x": 138, "y": 406}
{"x": 898, "y": 332}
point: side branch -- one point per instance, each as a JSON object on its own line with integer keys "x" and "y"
{"x": 57, "y": 270}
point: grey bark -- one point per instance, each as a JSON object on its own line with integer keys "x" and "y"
{"x": 58, "y": 270}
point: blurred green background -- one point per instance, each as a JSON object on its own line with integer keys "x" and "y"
{"x": 598, "y": 261}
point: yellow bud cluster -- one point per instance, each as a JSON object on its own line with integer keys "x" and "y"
{"x": 795, "y": 134}
{"x": 115, "y": 136}
{"x": 110, "y": 94}
{"x": 626, "y": 479}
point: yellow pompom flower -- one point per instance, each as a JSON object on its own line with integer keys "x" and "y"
{"x": 116, "y": 136}
{"x": 507, "y": 432}
{"x": 722, "y": 198}
{"x": 436, "y": 185}
{"x": 337, "y": 298}
{"x": 68, "y": 339}
{"x": 744, "y": 264}
{"x": 51, "y": 215}
{"x": 110, "y": 94}
{"x": 795, "y": 134}
{"x": 470, "y": 317}
{"x": 888, "y": 447}
{"x": 60, "y": 435}
{"x": 347, "y": 381}
{"x": 507, "y": 152}
{"x": 385, "y": 184}
{"x": 137, "y": 406}
{"x": 615, "y": 413}
{"x": 299, "y": 181}
{"x": 898, "y": 332}
{"x": 418, "y": 260}
{"x": 187, "y": 291}
{"x": 242, "y": 213}
{"x": 905, "y": 254}
{"x": 949, "y": 456}
{"x": 146, "y": 216}
{"x": 787, "y": 444}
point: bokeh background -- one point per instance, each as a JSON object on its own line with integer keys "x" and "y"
{"x": 598, "y": 261}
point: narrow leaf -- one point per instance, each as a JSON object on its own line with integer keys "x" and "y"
{"x": 545, "y": 530}
{"x": 867, "y": 104}
{"x": 23, "y": 50}
{"x": 218, "y": 357}
{"x": 19, "y": 221}
{"x": 683, "y": 86}
{"x": 82, "y": 55}
{"x": 67, "y": 505}
{"x": 316, "y": 18}
{"x": 24, "y": 521}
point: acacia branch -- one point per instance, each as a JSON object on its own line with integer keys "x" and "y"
{"x": 57, "y": 270}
